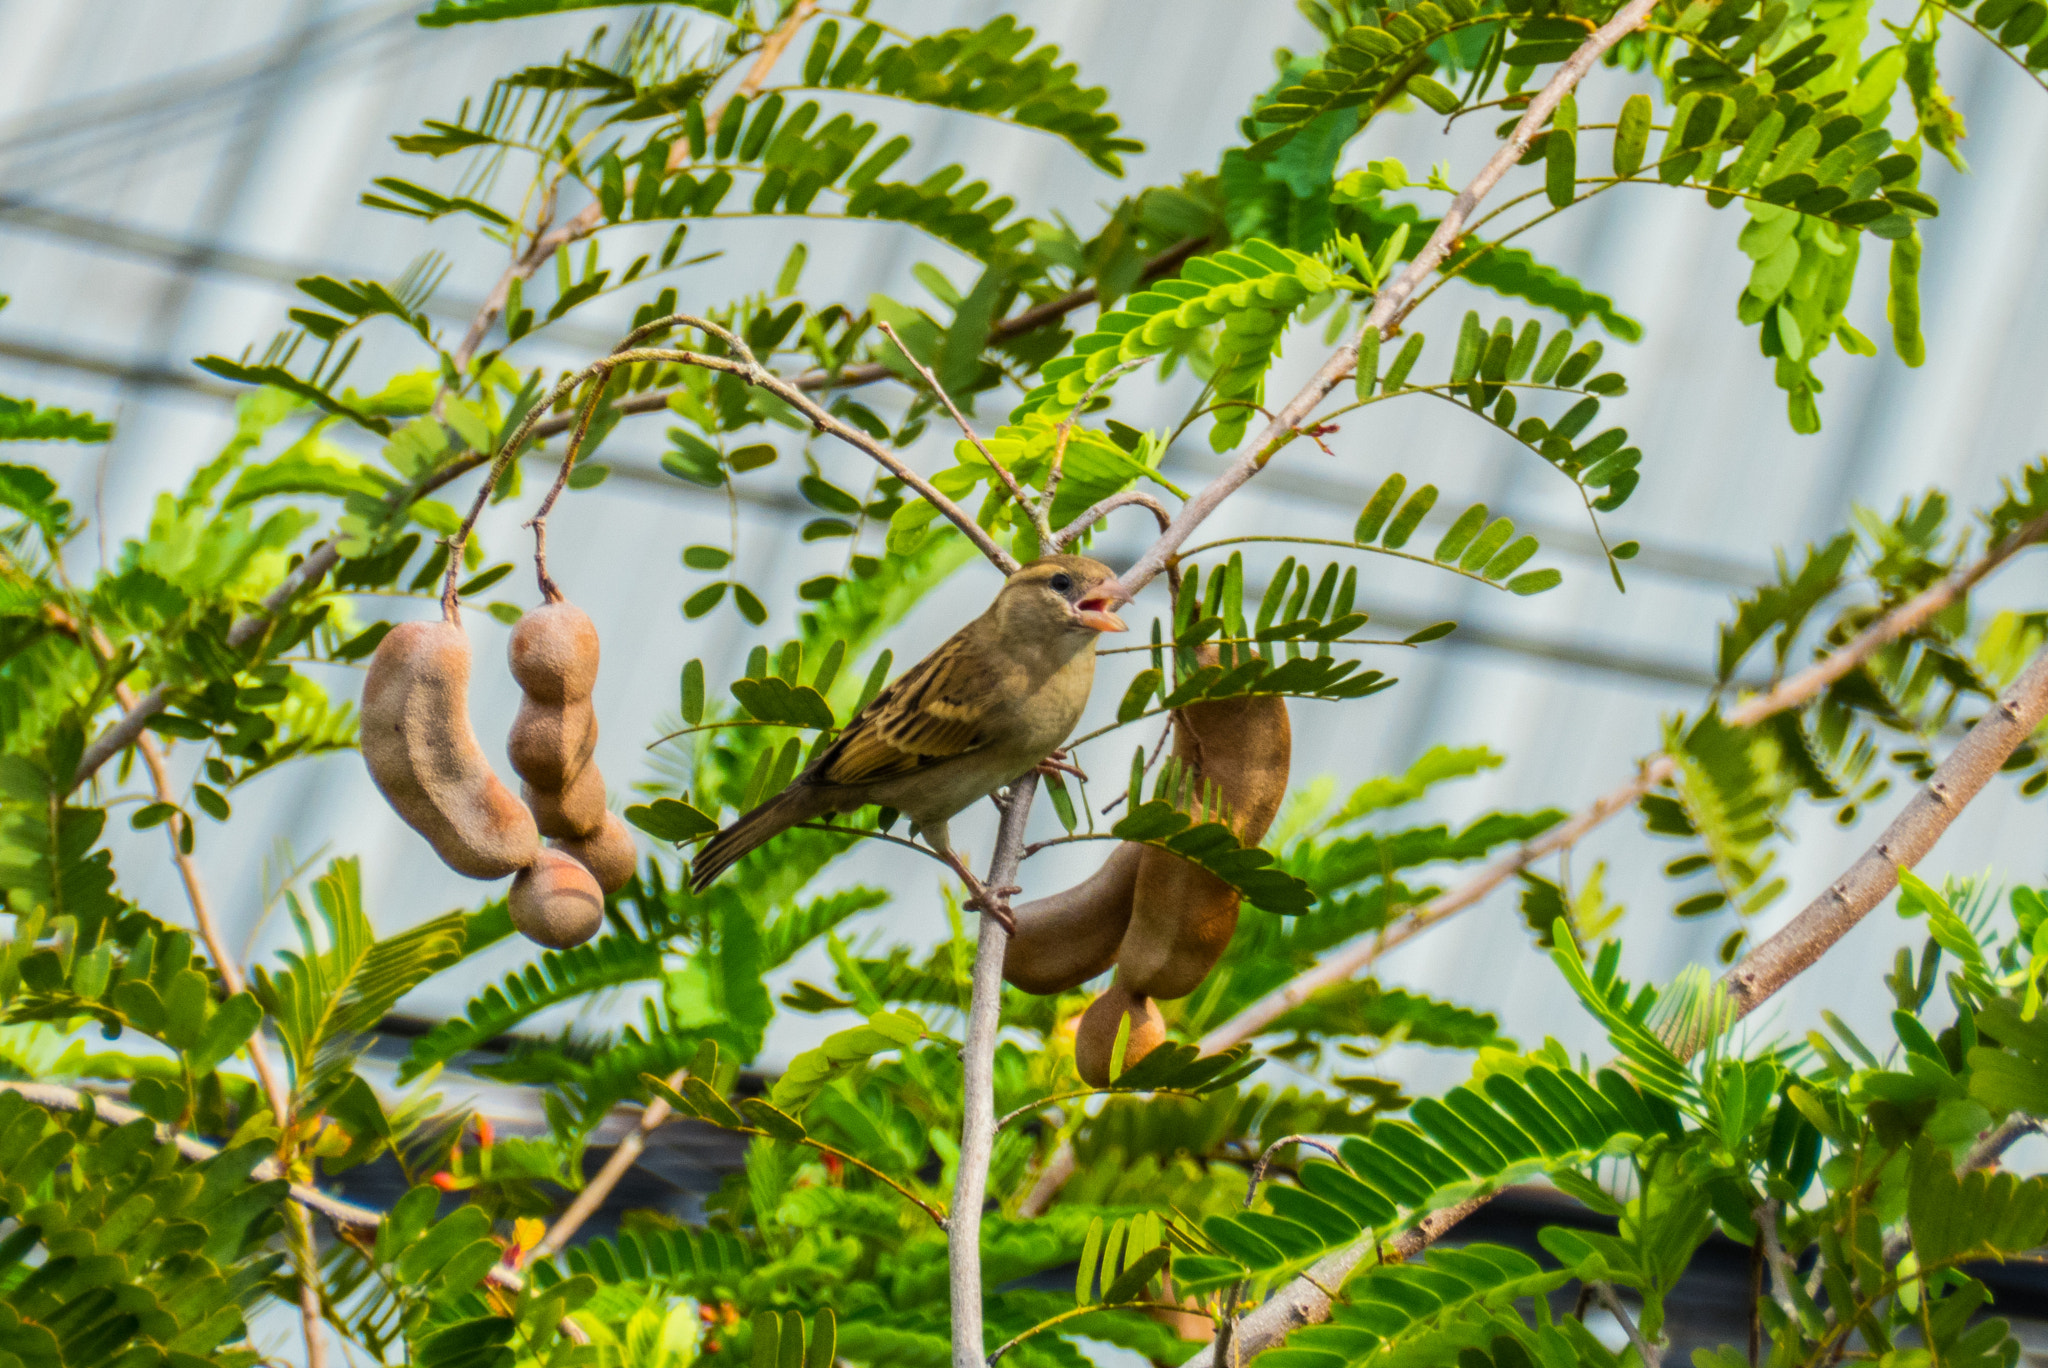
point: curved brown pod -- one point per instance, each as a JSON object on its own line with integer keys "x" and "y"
{"x": 1182, "y": 916}
{"x": 1095, "y": 1037}
{"x": 1063, "y": 940}
{"x": 424, "y": 758}
{"x": 556, "y": 901}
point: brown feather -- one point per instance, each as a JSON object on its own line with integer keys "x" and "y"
{"x": 748, "y": 833}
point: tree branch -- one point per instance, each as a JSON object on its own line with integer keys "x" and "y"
{"x": 1652, "y": 1356}
{"x": 978, "y": 1107}
{"x": 311, "y": 1310}
{"x": 1783, "y": 1273}
{"x": 1387, "y": 309}
{"x": 1765, "y": 969}
{"x": 1797, "y": 691}
{"x": 1961, "y": 777}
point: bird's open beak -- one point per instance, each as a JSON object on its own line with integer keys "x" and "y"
{"x": 1095, "y": 610}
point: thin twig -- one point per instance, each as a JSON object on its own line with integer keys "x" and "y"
{"x": 546, "y": 242}
{"x": 1652, "y": 1356}
{"x": 978, "y": 1110}
{"x": 1025, "y": 503}
{"x": 1251, "y": 1189}
{"x": 311, "y": 1312}
{"x": 605, "y": 1179}
{"x": 549, "y": 591}
{"x": 1103, "y": 508}
{"x": 1066, "y": 430}
{"x": 867, "y": 835}
{"x": 869, "y": 372}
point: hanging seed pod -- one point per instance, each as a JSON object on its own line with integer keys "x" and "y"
{"x": 554, "y": 656}
{"x": 1066, "y": 939}
{"x": 1182, "y": 916}
{"x": 420, "y": 750}
{"x": 1095, "y": 1037}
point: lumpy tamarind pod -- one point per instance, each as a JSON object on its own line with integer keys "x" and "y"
{"x": 550, "y": 744}
{"x": 1095, "y": 1038}
{"x": 577, "y": 810}
{"x": 556, "y": 901}
{"x": 608, "y": 853}
{"x": 419, "y": 748}
{"x": 1063, "y": 940}
{"x": 1182, "y": 916}
{"x": 554, "y": 653}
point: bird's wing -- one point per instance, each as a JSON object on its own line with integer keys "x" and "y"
{"x": 939, "y": 710}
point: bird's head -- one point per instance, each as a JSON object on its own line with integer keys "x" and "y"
{"x": 1063, "y": 594}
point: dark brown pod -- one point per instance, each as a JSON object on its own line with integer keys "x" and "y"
{"x": 1066, "y": 939}
{"x": 1182, "y": 916}
{"x": 550, "y": 744}
{"x": 1095, "y": 1037}
{"x": 554, "y": 653}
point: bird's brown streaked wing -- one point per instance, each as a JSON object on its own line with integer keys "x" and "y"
{"x": 936, "y": 712}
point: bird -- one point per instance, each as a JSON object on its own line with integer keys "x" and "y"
{"x": 991, "y": 704}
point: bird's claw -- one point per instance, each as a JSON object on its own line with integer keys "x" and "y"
{"x": 1057, "y": 763}
{"x": 993, "y": 902}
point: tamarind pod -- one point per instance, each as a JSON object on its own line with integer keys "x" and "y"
{"x": 424, "y": 758}
{"x": 554, "y": 653}
{"x": 577, "y": 810}
{"x": 1063, "y": 940}
{"x": 1095, "y": 1037}
{"x": 550, "y": 743}
{"x": 1182, "y": 916}
{"x": 1243, "y": 746}
{"x": 608, "y": 853}
{"x": 556, "y": 902}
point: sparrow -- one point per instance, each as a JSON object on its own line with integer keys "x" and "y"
{"x": 992, "y": 703}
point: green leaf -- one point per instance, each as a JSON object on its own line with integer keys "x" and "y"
{"x": 1632, "y": 135}
{"x": 777, "y": 700}
{"x": 557, "y": 976}
{"x": 1438, "y": 96}
{"x": 22, "y": 421}
{"x": 226, "y": 1030}
{"x": 667, "y": 819}
{"x": 1252, "y": 290}
{"x": 841, "y": 1053}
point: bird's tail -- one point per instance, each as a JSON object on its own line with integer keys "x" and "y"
{"x": 752, "y": 830}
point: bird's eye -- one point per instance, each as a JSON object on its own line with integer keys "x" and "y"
{"x": 1061, "y": 583}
